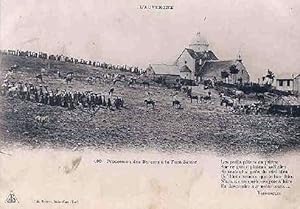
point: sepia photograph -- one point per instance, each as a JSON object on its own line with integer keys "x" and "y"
{"x": 168, "y": 93}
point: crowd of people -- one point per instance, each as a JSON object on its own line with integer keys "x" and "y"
{"x": 63, "y": 98}
{"x": 74, "y": 60}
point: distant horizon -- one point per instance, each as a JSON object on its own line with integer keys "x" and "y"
{"x": 266, "y": 34}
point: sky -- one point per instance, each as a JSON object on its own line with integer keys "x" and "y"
{"x": 265, "y": 33}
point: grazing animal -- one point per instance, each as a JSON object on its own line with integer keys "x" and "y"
{"x": 12, "y": 91}
{"x": 227, "y": 101}
{"x": 205, "y": 98}
{"x": 188, "y": 92}
{"x": 194, "y": 97}
{"x": 14, "y": 67}
{"x": 131, "y": 81}
{"x": 260, "y": 97}
{"x": 145, "y": 83}
{"x": 111, "y": 91}
{"x": 69, "y": 78}
{"x": 185, "y": 89}
{"x": 91, "y": 79}
{"x": 176, "y": 103}
{"x": 42, "y": 119}
{"x": 149, "y": 102}
{"x": 39, "y": 77}
{"x": 118, "y": 103}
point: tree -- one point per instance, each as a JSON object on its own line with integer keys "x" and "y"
{"x": 270, "y": 78}
{"x": 234, "y": 71}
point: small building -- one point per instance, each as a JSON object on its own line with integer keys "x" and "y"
{"x": 164, "y": 73}
{"x": 297, "y": 84}
{"x": 286, "y": 105}
{"x": 288, "y": 82}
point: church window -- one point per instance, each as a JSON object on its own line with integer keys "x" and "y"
{"x": 288, "y": 82}
{"x": 280, "y": 83}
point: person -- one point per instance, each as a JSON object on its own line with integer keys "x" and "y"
{"x": 109, "y": 104}
{"x": 174, "y": 98}
{"x": 149, "y": 96}
{"x": 58, "y": 74}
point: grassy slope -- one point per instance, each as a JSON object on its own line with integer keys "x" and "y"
{"x": 195, "y": 128}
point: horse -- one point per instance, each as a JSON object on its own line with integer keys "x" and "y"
{"x": 149, "y": 102}
{"x": 205, "y": 98}
{"x": 194, "y": 97}
{"x": 188, "y": 91}
{"x": 227, "y": 101}
{"x": 69, "y": 77}
{"x": 176, "y": 103}
{"x": 119, "y": 102}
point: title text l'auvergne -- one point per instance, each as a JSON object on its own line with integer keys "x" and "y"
{"x": 156, "y": 7}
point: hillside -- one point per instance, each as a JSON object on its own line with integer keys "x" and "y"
{"x": 195, "y": 128}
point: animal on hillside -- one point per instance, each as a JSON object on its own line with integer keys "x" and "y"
{"x": 227, "y": 101}
{"x": 132, "y": 81}
{"x": 260, "y": 97}
{"x": 42, "y": 120}
{"x": 69, "y": 77}
{"x": 194, "y": 97}
{"x": 91, "y": 79}
{"x": 144, "y": 83}
{"x": 14, "y": 67}
{"x": 149, "y": 102}
{"x": 187, "y": 90}
{"x": 39, "y": 77}
{"x": 118, "y": 102}
{"x": 176, "y": 104}
{"x": 12, "y": 91}
{"x": 205, "y": 98}
{"x": 239, "y": 94}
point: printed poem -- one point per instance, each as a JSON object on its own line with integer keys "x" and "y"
{"x": 267, "y": 177}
